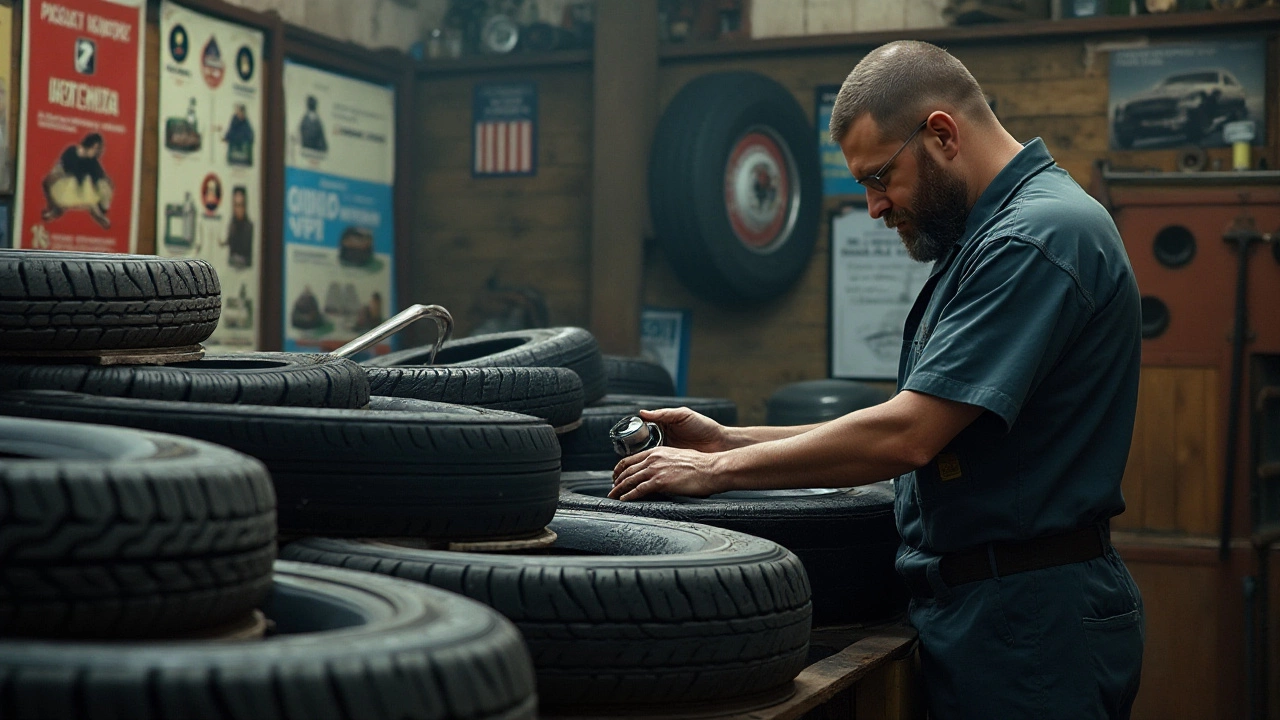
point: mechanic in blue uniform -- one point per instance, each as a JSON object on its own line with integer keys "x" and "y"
{"x": 1017, "y": 383}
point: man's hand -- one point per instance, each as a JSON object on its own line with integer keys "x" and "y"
{"x": 669, "y": 470}
{"x": 684, "y": 428}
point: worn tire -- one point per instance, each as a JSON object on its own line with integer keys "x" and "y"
{"x": 651, "y": 613}
{"x": 845, "y": 537}
{"x": 264, "y": 378}
{"x": 637, "y": 376}
{"x": 107, "y": 532}
{"x": 104, "y": 301}
{"x": 567, "y": 347}
{"x": 349, "y": 646}
{"x": 403, "y": 467}
{"x": 717, "y": 123}
{"x": 589, "y": 448}
{"x": 553, "y": 394}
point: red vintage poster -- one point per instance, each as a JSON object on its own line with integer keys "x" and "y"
{"x": 81, "y": 143}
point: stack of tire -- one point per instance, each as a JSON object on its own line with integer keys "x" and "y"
{"x": 660, "y": 613}
{"x": 131, "y": 560}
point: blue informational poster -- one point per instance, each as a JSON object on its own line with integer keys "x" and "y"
{"x": 339, "y": 233}
{"x": 664, "y": 339}
{"x": 836, "y": 179}
{"x": 504, "y": 137}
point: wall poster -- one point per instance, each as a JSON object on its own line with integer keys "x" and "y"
{"x": 836, "y": 179}
{"x": 1166, "y": 96}
{"x": 665, "y": 339}
{"x": 504, "y": 137}
{"x": 81, "y": 128}
{"x": 339, "y": 235}
{"x": 873, "y": 285}
{"x": 6, "y": 100}
{"x": 209, "y": 187}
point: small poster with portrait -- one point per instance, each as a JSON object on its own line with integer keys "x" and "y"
{"x": 209, "y": 189}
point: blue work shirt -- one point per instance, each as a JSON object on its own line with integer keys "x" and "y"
{"x": 1033, "y": 316}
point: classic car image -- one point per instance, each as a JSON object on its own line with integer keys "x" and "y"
{"x": 1187, "y": 106}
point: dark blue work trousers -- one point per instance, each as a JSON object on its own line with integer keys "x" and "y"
{"x": 1062, "y": 642}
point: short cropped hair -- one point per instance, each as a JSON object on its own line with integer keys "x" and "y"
{"x": 897, "y": 84}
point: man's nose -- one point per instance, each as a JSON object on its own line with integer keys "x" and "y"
{"x": 877, "y": 204}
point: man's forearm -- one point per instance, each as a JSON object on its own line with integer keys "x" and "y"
{"x": 859, "y": 448}
{"x": 740, "y": 437}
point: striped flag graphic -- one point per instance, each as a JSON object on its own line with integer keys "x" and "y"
{"x": 503, "y": 147}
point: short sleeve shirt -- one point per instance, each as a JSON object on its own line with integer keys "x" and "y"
{"x": 1033, "y": 316}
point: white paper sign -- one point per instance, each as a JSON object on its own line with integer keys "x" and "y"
{"x": 209, "y": 196}
{"x": 873, "y": 285}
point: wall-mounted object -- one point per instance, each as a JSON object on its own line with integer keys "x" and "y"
{"x": 79, "y": 165}
{"x": 735, "y": 187}
{"x": 504, "y": 136}
{"x": 212, "y": 103}
{"x": 338, "y": 215}
{"x": 836, "y": 178}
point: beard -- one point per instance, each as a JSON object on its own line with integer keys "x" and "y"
{"x": 941, "y": 209}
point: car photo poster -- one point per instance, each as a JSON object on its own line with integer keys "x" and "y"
{"x": 339, "y": 235}
{"x": 873, "y": 286}
{"x": 1167, "y": 96}
{"x": 80, "y": 148}
{"x": 209, "y": 188}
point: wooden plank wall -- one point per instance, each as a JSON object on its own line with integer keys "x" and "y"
{"x": 530, "y": 232}
{"x": 534, "y": 231}
{"x": 1173, "y": 481}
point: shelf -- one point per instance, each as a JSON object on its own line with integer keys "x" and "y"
{"x": 1257, "y": 18}
{"x": 500, "y": 63}
{"x": 1200, "y": 178}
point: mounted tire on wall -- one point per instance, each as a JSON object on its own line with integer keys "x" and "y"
{"x": 735, "y": 187}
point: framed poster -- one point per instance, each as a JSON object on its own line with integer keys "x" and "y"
{"x": 1167, "y": 96}
{"x": 873, "y": 286}
{"x": 339, "y": 229}
{"x": 209, "y": 188}
{"x": 664, "y": 339}
{"x": 836, "y": 179}
{"x": 7, "y": 100}
{"x": 80, "y": 148}
{"x": 504, "y": 136}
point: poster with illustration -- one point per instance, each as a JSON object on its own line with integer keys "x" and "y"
{"x": 80, "y": 148}
{"x": 209, "y": 192}
{"x": 1167, "y": 96}
{"x": 836, "y": 179}
{"x": 7, "y": 100}
{"x": 339, "y": 235}
{"x": 873, "y": 286}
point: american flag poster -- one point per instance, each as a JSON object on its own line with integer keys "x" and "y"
{"x": 505, "y": 130}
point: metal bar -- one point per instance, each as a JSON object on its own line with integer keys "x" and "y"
{"x": 401, "y": 320}
{"x": 1242, "y": 237}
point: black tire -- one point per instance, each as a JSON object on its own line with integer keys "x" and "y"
{"x": 566, "y": 347}
{"x": 553, "y": 394}
{"x": 651, "y": 612}
{"x": 263, "y": 378}
{"x": 589, "y": 448}
{"x": 402, "y": 467}
{"x": 107, "y": 532}
{"x": 348, "y": 646}
{"x": 637, "y": 376}
{"x": 815, "y": 401}
{"x": 711, "y": 119}
{"x": 104, "y": 301}
{"x": 845, "y": 537}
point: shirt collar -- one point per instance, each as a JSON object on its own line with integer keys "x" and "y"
{"x": 1029, "y": 162}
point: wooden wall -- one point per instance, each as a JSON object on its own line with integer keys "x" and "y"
{"x": 522, "y": 231}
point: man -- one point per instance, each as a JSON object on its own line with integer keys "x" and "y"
{"x": 78, "y": 180}
{"x": 311, "y": 129}
{"x": 1018, "y": 386}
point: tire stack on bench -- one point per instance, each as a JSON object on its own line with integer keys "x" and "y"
{"x": 131, "y": 561}
{"x": 160, "y": 543}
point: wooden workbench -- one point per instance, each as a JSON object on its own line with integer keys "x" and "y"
{"x": 862, "y": 673}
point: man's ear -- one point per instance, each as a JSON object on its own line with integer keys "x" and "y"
{"x": 944, "y": 133}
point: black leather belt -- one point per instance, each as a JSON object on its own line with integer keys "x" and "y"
{"x": 1011, "y": 558}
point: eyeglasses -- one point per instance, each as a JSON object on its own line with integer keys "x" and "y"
{"x": 874, "y": 181}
